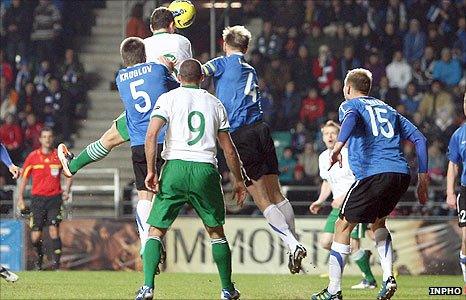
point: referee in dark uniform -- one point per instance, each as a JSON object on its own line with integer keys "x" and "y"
{"x": 45, "y": 169}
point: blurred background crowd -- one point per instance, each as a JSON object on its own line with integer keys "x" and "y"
{"x": 416, "y": 50}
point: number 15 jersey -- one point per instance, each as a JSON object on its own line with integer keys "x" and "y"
{"x": 140, "y": 86}
{"x": 194, "y": 119}
{"x": 375, "y": 144}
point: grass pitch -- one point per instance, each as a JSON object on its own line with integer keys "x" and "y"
{"x": 123, "y": 285}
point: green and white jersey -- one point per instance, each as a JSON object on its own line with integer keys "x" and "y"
{"x": 171, "y": 45}
{"x": 194, "y": 118}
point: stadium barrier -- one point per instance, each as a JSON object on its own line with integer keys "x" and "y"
{"x": 420, "y": 247}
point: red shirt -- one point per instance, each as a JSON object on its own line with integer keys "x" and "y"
{"x": 11, "y": 136}
{"x": 45, "y": 170}
{"x": 32, "y": 134}
{"x": 312, "y": 109}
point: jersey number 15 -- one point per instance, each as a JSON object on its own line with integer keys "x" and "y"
{"x": 378, "y": 122}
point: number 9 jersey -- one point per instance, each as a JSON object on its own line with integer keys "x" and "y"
{"x": 140, "y": 86}
{"x": 236, "y": 86}
{"x": 375, "y": 143}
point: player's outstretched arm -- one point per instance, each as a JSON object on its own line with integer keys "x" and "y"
{"x": 452, "y": 174}
{"x": 325, "y": 192}
{"x": 6, "y": 159}
{"x": 150, "y": 148}
{"x": 234, "y": 164}
{"x": 66, "y": 192}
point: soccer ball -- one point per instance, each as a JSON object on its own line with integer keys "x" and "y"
{"x": 184, "y": 13}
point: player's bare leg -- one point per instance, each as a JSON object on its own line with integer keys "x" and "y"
{"x": 92, "y": 153}
{"x": 278, "y": 222}
{"x": 325, "y": 240}
{"x": 36, "y": 239}
{"x": 383, "y": 243}
{"x": 56, "y": 245}
{"x": 143, "y": 208}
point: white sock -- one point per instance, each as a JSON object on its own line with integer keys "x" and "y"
{"x": 287, "y": 210}
{"x": 383, "y": 243}
{"x": 142, "y": 214}
{"x": 463, "y": 265}
{"x": 336, "y": 263}
{"x": 278, "y": 223}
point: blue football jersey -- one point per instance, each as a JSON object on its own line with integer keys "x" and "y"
{"x": 140, "y": 86}
{"x": 236, "y": 85}
{"x": 375, "y": 143}
{"x": 457, "y": 151}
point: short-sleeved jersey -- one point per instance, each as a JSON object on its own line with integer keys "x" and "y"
{"x": 375, "y": 142}
{"x": 171, "y": 45}
{"x": 45, "y": 170}
{"x": 140, "y": 86}
{"x": 194, "y": 119}
{"x": 340, "y": 179}
{"x": 457, "y": 150}
{"x": 236, "y": 85}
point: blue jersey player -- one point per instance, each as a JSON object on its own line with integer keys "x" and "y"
{"x": 236, "y": 86}
{"x": 374, "y": 132}
{"x": 457, "y": 159}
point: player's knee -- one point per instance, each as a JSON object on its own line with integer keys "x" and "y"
{"x": 111, "y": 138}
{"x": 379, "y": 223}
{"x": 215, "y": 232}
{"x": 157, "y": 232}
{"x": 342, "y": 225}
{"x": 326, "y": 244}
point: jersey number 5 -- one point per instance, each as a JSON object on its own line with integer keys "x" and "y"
{"x": 199, "y": 128}
{"x": 380, "y": 122}
{"x": 138, "y": 94}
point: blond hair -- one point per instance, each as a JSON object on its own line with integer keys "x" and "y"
{"x": 330, "y": 123}
{"x": 237, "y": 37}
{"x": 360, "y": 79}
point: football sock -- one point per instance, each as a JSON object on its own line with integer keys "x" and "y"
{"x": 222, "y": 257}
{"x": 40, "y": 255}
{"x": 287, "y": 210}
{"x": 336, "y": 263}
{"x": 142, "y": 214}
{"x": 56, "y": 245}
{"x": 361, "y": 258}
{"x": 93, "y": 152}
{"x": 151, "y": 259}
{"x": 383, "y": 243}
{"x": 278, "y": 223}
{"x": 463, "y": 265}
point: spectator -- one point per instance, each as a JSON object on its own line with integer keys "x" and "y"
{"x": 290, "y": 104}
{"x": 23, "y": 76}
{"x": 71, "y": 72}
{"x": 302, "y": 70}
{"x": 435, "y": 40}
{"x": 309, "y": 159}
{"x": 135, "y": 25}
{"x": 43, "y": 75}
{"x": 9, "y": 99}
{"x": 419, "y": 77}
{"x": 435, "y": 101}
{"x": 460, "y": 43}
{"x": 347, "y": 62}
{"x": 398, "y": 72}
{"x": 257, "y": 60}
{"x": 427, "y": 62}
{"x": 6, "y": 71}
{"x": 366, "y": 42}
{"x": 376, "y": 67}
{"x": 312, "y": 108}
{"x": 32, "y": 132}
{"x": 396, "y": 14}
{"x": 28, "y": 101}
{"x": 315, "y": 40}
{"x": 341, "y": 40}
{"x": 386, "y": 93}
{"x": 313, "y": 14}
{"x": 437, "y": 163}
{"x": 286, "y": 166}
{"x": 12, "y": 137}
{"x": 447, "y": 69}
{"x": 299, "y": 177}
{"x": 299, "y": 137}
{"x": 324, "y": 69}
{"x": 411, "y": 99}
{"x": 390, "y": 42}
{"x": 16, "y": 23}
{"x": 335, "y": 96}
{"x": 46, "y": 26}
{"x": 269, "y": 43}
{"x": 290, "y": 48}
{"x": 444, "y": 14}
{"x": 414, "y": 42}
{"x": 277, "y": 74}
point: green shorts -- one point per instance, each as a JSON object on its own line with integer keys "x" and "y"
{"x": 357, "y": 233}
{"x": 121, "y": 126}
{"x": 195, "y": 183}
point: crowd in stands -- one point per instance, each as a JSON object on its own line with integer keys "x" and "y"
{"x": 42, "y": 82}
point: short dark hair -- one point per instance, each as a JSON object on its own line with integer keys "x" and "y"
{"x": 237, "y": 37}
{"x": 133, "y": 51}
{"x": 190, "y": 70}
{"x": 161, "y": 18}
{"x": 46, "y": 129}
{"x": 360, "y": 79}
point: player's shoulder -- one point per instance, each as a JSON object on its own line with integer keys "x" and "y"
{"x": 460, "y": 131}
{"x": 182, "y": 39}
{"x": 324, "y": 156}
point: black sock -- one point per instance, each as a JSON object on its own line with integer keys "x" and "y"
{"x": 38, "y": 247}
{"x": 56, "y": 245}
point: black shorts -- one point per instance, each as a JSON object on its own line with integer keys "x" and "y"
{"x": 138, "y": 156}
{"x": 374, "y": 197}
{"x": 46, "y": 211}
{"x": 256, "y": 150}
{"x": 461, "y": 207}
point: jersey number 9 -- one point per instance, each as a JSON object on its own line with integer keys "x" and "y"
{"x": 200, "y": 128}
{"x": 138, "y": 94}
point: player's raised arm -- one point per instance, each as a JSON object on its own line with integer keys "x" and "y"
{"x": 6, "y": 159}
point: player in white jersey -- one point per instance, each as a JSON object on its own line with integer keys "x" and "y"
{"x": 196, "y": 121}
{"x": 337, "y": 181}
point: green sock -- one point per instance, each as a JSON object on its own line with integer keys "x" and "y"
{"x": 222, "y": 257}
{"x": 93, "y": 152}
{"x": 151, "y": 259}
{"x": 361, "y": 258}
